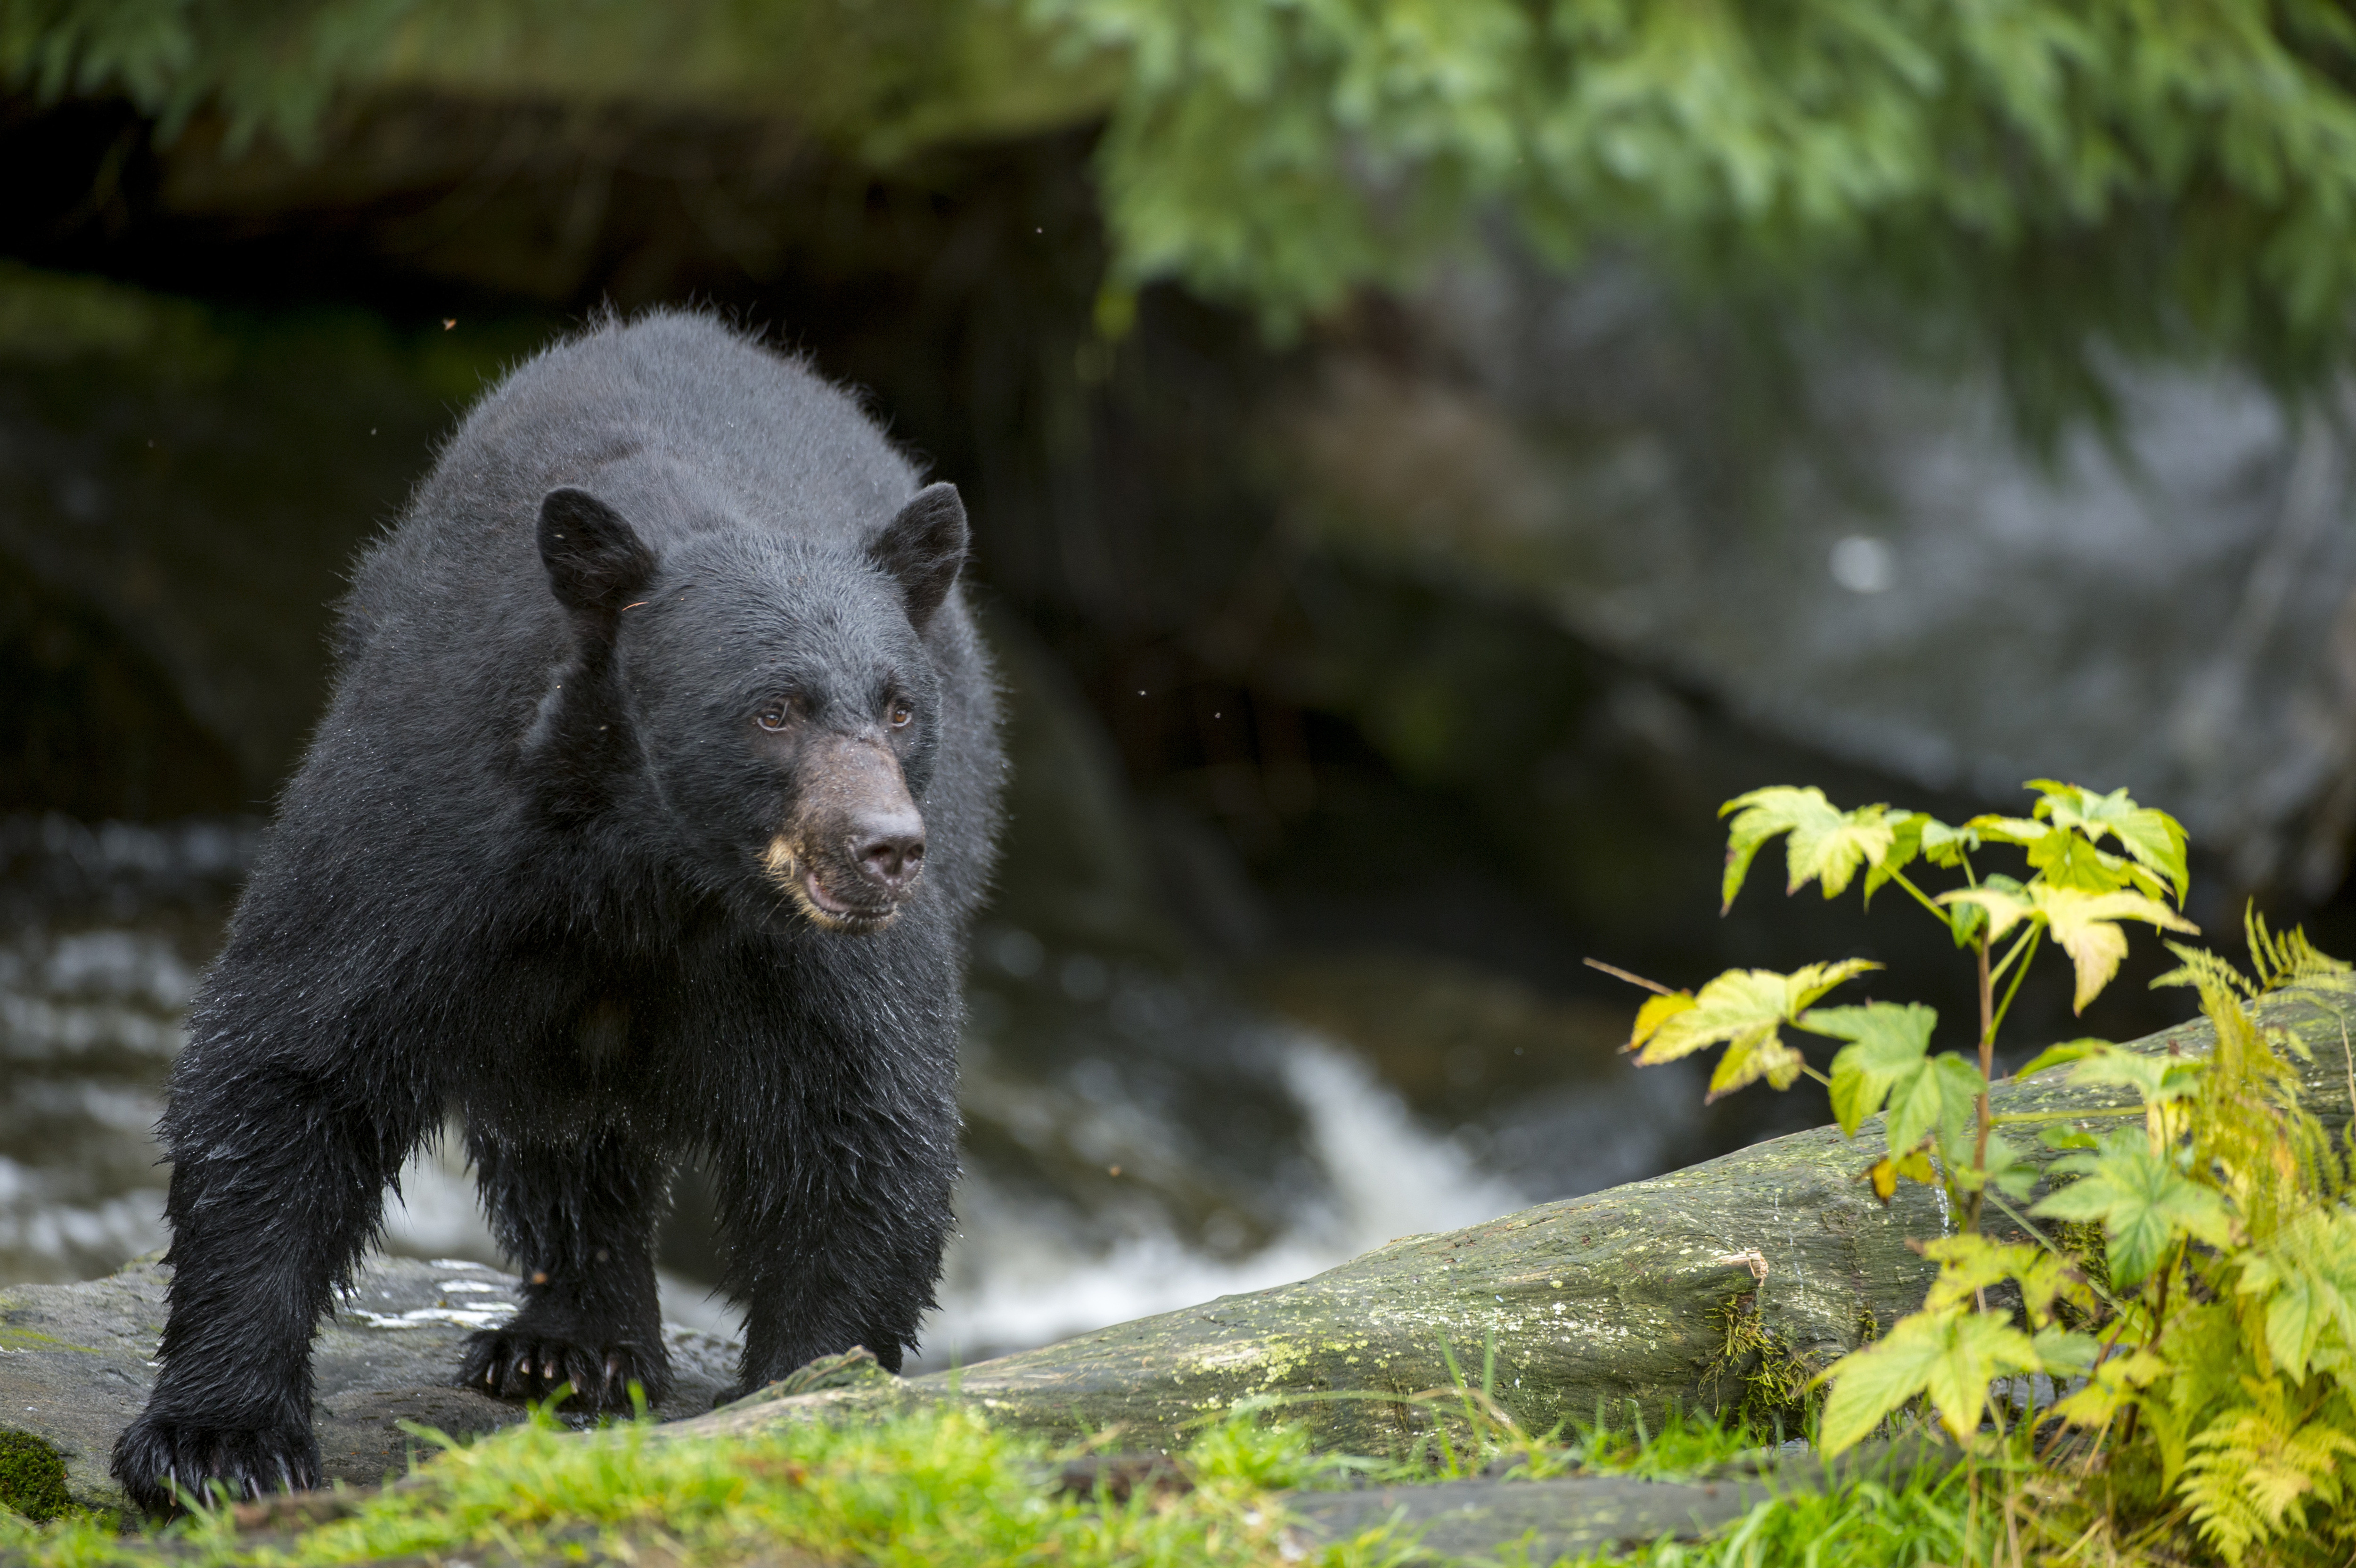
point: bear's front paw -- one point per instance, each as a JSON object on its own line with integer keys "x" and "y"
{"x": 516, "y": 1362}
{"x": 163, "y": 1464}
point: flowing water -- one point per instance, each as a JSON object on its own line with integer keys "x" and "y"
{"x": 1139, "y": 1140}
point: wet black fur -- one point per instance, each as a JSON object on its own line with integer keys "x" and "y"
{"x": 517, "y": 876}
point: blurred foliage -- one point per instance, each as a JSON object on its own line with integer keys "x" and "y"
{"x": 2058, "y": 181}
{"x": 877, "y": 77}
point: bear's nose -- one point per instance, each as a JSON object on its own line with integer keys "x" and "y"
{"x": 889, "y": 848}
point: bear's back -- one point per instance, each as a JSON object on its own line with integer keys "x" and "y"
{"x": 676, "y": 420}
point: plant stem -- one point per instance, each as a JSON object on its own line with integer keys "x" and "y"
{"x": 1988, "y": 1071}
{"x": 2010, "y": 1116}
{"x": 1936, "y": 908}
{"x": 2027, "y": 933}
{"x": 2026, "y": 959}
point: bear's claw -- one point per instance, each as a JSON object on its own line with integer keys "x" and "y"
{"x": 163, "y": 1463}
{"x": 514, "y": 1363}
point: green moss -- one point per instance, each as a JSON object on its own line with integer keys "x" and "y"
{"x": 32, "y": 1476}
{"x": 1776, "y": 1379}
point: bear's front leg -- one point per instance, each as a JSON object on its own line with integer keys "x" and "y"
{"x": 276, "y": 1190}
{"x": 579, "y": 1223}
{"x": 838, "y": 1244}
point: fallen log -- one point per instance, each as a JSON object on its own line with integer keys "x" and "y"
{"x": 1732, "y": 1281}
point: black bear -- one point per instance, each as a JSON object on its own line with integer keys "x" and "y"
{"x": 653, "y": 798}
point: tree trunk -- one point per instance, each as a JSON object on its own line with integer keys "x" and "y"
{"x": 1730, "y": 1281}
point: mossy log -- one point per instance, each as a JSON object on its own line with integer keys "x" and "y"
{"x": 1729, "y": 1281}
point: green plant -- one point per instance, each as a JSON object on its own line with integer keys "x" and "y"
{"x": 32, "y": 1476}
{"x": 2209, "y": 1340}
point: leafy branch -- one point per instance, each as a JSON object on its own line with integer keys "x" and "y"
{"x": 2205, "y": 1348}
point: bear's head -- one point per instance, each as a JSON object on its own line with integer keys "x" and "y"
{"x": 767, "y": 696}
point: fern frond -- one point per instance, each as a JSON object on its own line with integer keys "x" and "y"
{"x": 2252, "y": 1472}
{"x": 2205, "y": 972}
{"x": 2288, "y": 959}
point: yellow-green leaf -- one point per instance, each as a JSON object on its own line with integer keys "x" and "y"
{"x": 1951, "y": 1355}
{"x": 2060, "y": 1055}
{"x": 2156, "y": 1078}
{"x": 2085, "y": 923}
{"x": 2111, "y": 1385}
{"x": 1744, "y": 1010}
{"x": 1887, "y": 1041}
{"x": 2153, "y": 838}
{"x": 1826, "y": 844}
{"x": 1884, "y": 1174}
{"x": 2144, "y": 1203}
{"x": 1656, "y": 1011}
{"x": 2306, "y": 1277}
{"x": 2004, "y": 908}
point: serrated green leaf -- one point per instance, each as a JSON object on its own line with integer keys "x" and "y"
{"x": 2305, "y": 1278}
{"x": 2085, "y": 923}
{"x": 2067, "y": 860}
{"x": 2001, "y": 909}
{"x": 2156, "y": 1079}
{"x": 1826, "y": 844}
{"x": 2111, "y": 1385}
{"x": 2144, "y": 1203}
{"x": 1905, "y": 844}
{"x": 2065, "y": 1352}
{"x": 1656, "y": 1011}
{"x": 1945, "y": 846}
{"x": 2067, "y": 1052}
{"x": 1887, "y": 1041}
{"x": 1751, "y": 1057}
{"x": 2153, "y": 839}
{"x": 1951, "y": 1356}
{"x": 1744, "y": 1010}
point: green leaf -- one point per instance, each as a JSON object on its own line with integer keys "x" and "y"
{"x": 2305, "y": 1278}
{"x": 1656, "y": 1011}
{"x": 1905, "y": 844}
{"x": 2065, "y": 1352}
{"x": 1744, "y": 1010}
{"x": 1951, "y": 1355}
{"x": 2156, "y": 1079}
{"x": 2144, "y": 1203}
{"x": 2085, "y": 923}
{"x": 2058, "y": 1055}
{"x": 1945, "y": 846}
{"x": 1958, "y": 1086}
{"x": 1887, "y": 1041}
{"x": 2153, "y": 838}
{"x": 1826, "y": 844}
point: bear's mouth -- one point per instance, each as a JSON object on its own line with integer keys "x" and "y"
{"x": 837, "y": 915}
{"x": 822, "y": 905}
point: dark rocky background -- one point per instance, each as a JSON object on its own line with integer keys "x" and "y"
{"x": 1362, "y": 685}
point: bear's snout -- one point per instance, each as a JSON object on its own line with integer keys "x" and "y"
{"x": 855, "y": 849}
{"x": 889, "y": 848}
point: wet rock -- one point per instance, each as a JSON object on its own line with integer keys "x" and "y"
{"x": 1864, "y": 557}
{"x": 76, "y": 1362}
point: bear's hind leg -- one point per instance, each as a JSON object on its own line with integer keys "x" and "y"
{"x": 579, "y": 1223}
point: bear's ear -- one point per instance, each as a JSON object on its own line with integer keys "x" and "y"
{"x": 922, "y": 549}
{"x": 595, "y": 560}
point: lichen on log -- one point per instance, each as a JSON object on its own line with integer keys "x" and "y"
{"x": 1686, "y": 1289}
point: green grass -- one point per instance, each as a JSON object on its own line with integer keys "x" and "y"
{"x": 940, "y": 1488}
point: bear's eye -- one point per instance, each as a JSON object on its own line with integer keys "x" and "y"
{"x": 900, "y": 714}
{"x": 776, "y": 715}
